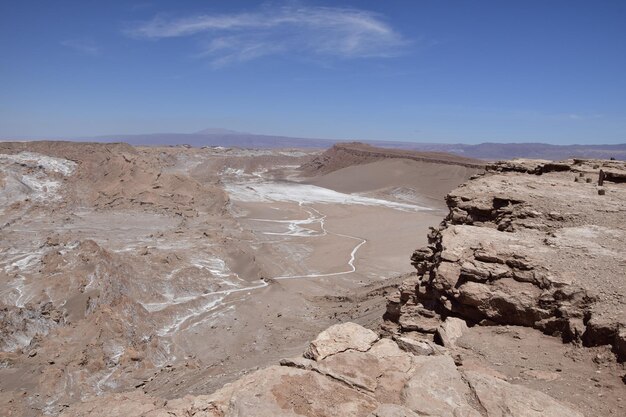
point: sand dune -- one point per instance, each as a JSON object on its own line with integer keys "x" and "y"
{"x": 424, "y": 179}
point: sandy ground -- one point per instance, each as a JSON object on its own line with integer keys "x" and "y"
{"x": 177, "y": 270}
{"x": 588, "y": 379}
{"x": 398, "y": 179}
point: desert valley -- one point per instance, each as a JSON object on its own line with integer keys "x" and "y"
{"x": 180, "y": 268}
{"x": 312, "y": 208}
{"x": 159, "y": 273}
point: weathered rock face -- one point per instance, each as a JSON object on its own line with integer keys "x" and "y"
{"x": 359, "y": 375}
{"x": 529, "y": 243}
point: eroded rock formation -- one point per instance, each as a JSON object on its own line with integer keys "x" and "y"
{"x": 530, "y": 243}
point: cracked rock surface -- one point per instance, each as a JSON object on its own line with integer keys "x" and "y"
{"x": 367, "y": 376}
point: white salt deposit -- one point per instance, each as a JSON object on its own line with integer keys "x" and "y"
{"x": 48, "y": 163}
{"x": 34, "y": 182}
{"x": 307, "y": 194}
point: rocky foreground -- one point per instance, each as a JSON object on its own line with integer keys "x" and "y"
{"x": 348, "y": 371}
{"x": 530, "y": 250}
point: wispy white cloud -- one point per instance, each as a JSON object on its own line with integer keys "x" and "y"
{"x": 318, "y": 31}
{"x": 579, "y": 116}
{"x": 84, "y": 46}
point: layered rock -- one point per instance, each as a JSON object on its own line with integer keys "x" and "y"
{"x": 530, "y": 243}
{"x": 358, "y": 374}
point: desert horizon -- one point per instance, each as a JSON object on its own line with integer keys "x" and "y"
{"x": 230, "y": 138}
{"x": 312, "y": 209}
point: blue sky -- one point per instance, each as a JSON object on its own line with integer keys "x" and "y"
{"x": 425, "y": 71}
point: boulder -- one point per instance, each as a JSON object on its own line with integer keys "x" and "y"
{"x": 415, "y": 347}
{"x": 339, "y": 338}
{"x": 450, "y": 330}
{"x": 436, "y": 388}
{"x": 285, "y": 391}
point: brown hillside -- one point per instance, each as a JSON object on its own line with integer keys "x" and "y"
{"x": 343, "y": 155}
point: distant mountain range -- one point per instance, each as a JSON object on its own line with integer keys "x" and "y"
{"x": 488, "y": 151}
{"x": 497, "y": 151}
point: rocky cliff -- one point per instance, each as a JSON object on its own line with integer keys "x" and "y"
{"x": 530, "y": 243}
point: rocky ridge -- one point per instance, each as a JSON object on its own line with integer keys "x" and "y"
{"x": 342, "y": 155}
{"x": 117, "y": 176}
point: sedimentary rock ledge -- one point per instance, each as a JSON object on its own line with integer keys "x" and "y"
{"x": 531, "y": 243}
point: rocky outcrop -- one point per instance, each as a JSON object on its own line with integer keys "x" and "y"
{"x": 530, "y": 243}
{"x": 358, "y": 375}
